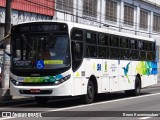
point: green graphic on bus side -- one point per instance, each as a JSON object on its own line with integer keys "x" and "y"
{"x": 147, "y": 68}
{"x": 143, "y": 68}
{"x": 42, "y": 79}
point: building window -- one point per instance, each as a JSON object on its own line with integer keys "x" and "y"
{"x": 65, "y": 5}
{"x": 90, "y": 8}
{"x": 156, "y": 23}
{"x": 111, "y": 10}
{"x": 128, "y": 15}
{"x": 143, "y": 19}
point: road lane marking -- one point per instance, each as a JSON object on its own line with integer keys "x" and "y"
{"x": 6, "y": 118}
{"x": 144, "y": 118}
{"x": 93, "y": 104}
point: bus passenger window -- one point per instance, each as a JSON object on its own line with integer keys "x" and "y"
{"x": 142, "y": 55}
{"x": 91, "y": 38}
{"x": 103, "y": 52}
{"x": 124, "y": 54}
{"x": 114, "y": 53}
{"x": 134, "y": 54}
{"x": 88, "y": 38}
{"x": 149, "y": 46}
{"x": 124, "y": 42}
{"x": 107, "y": 42}
{"x": 91, "y": 51}
{"x": 77, "y": 35}
{"x": 140, "y": 45}
{"x": 133, "y": 44}
{"x": 101, "y": 39}
{"x": 114, "y": 41}
{"x": 149, "y": 55}
{"x": 153, "y": 47}
{"x": 153, "y": 56}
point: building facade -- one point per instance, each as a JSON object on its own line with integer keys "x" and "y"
{"x": 139, "y": 17}
{"x": 26, "y": 10}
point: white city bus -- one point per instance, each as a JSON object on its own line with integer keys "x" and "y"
{"x": 52, "y": 58}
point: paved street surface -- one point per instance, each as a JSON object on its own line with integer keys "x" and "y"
{"x": 109, "y": 107}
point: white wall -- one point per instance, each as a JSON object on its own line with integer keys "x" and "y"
{"x": 20, "y": 16}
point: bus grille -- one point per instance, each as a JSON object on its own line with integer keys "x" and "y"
{"x": 41, "y": 92}
{"x": 36, "y": 84}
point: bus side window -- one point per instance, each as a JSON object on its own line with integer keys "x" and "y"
{"x": 124, "y": 54}
{"x": 101, "y": 39}
{"x": 91, "y": 51}
{"x": 107, "y": 42}
{"x": 91, "y": 38}
{"x": 104, "y": 52}
{"x": 124, "y": 42}
{"x": 133, "y": 44}
{"x": 77, "y": 35}
{"x": 114, "y": 53}
{"x": 114, "y": 40}
{"x": 77, "y": 54}
{"x": 141, "y": 45}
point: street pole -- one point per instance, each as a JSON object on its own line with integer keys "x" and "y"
{"x": 76, "y": 11}
{"x": 5, "y": 87}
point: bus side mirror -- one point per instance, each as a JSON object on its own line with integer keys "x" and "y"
{"x": 7, "y": 50}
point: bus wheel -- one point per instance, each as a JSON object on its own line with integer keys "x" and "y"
{"x": 89, "y": 97}
{"x": 41, "y": 100}
{"x": 137, "y": 89}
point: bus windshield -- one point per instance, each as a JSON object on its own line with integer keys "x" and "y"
{"x": 43, "y": 50}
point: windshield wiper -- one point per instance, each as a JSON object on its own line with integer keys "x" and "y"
{"x": 25, "y": 39}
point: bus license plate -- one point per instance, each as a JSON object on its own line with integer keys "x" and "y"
{"x": 35, "y": 90}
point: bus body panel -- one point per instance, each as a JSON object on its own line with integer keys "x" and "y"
{"x": 112, "y": 75}
{"x": 62, "y": 90}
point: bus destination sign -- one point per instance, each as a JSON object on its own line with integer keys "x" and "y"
{"x": 43, "y": 27}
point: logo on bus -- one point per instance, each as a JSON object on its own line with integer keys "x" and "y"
{"x": 40, "y": 64}
{"x": 98, "y": 67}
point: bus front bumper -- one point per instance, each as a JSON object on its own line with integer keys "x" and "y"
{"x": 63, "y": 89}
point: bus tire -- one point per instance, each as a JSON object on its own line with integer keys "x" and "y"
{"x": 137, "y": 90}
{"x": 41, "y": 100}
{"x": 89, "y": 97}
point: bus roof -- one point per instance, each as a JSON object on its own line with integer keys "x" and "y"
{"x": 97, "y": 29}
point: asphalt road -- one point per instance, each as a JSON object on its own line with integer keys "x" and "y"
{"x": 115, "y": 106}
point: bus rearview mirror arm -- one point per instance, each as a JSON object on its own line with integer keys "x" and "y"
{"x": 7, "y": 53}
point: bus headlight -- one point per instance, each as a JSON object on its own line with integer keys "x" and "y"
{"x": 62, "y": 80}
{"x": 14, "y": 82}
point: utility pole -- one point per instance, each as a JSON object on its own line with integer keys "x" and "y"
{"x": 5, "y": 88}
{"x": 76, "y": 11}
